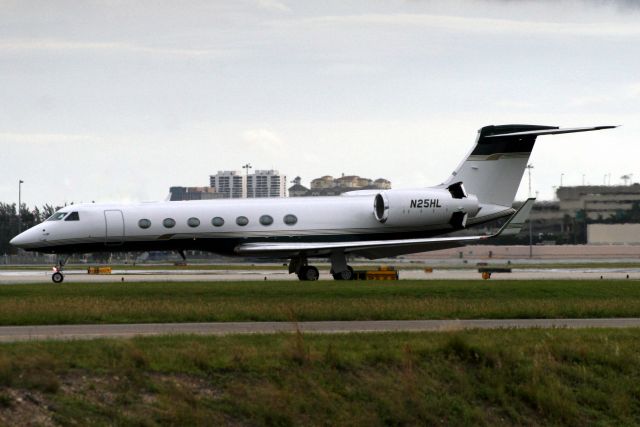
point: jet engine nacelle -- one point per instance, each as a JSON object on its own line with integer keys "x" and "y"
{"x": 406, "y": 208}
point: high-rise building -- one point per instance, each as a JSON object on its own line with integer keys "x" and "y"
{"x": 262, "y": 183}
{"x": 193, "y": 193}
{"x": 266, "y": 183}
{"x": 231, "y": 184}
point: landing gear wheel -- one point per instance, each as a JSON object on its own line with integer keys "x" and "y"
{"x": 57, "y": 275}
{"x": 345, "y": 275}
{"x": 308, "y": 273}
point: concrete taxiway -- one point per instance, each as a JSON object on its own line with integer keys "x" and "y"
{"x": 80, "y": 276}
{"x": 74, "y": 332}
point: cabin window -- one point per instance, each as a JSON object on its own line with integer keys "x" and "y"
{"x": 193, "y": 222}
{"x": 217, "y": 222}
{"x": 57, "y": 216}
{"x": 73, "y": 216}
{"x": 290, "y": 219}
{"x": 242, "y": 221}
{"x": 144, "y": 223}
{"x": 169, "y": 222}
{"x": 266, "y": 220}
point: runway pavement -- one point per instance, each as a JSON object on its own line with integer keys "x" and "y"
{"x": 74, "y": 332}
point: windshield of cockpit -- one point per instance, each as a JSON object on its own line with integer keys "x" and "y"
{"x": 73, "y": 216}
{"x": 57, "y": 216}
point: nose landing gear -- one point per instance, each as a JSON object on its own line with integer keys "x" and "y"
{"x": 57, "y": 275}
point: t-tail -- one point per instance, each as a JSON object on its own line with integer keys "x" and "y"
{"x": 494, "y": 167}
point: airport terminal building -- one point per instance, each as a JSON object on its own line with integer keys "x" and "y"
{"x": 588, "y": 214}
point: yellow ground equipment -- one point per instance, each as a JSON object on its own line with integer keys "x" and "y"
{"x": 99, "y": 270}
{"x": 487, "y": 271}
{"x": 382, "y": 273}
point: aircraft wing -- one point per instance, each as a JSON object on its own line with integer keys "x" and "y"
{"x": 373, "y": 249}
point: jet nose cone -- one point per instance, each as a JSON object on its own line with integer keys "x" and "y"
{"x": 20, "y": 240}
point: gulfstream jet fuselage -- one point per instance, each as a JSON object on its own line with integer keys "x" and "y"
{"x": 369, "y": 223}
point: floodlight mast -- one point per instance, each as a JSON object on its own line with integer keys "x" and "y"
{"x": 529, "y": 167}
{"x": 20, "y": 182}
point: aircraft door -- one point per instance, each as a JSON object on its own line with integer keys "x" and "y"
{"x": 114, "y": 227}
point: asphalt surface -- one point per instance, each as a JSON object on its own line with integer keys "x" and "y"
{"x": 74, "y": 332}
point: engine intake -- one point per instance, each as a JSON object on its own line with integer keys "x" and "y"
{"x": 381, "y": 207}
{"x": 450, "y": 206}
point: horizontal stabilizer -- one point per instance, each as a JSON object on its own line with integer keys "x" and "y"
{"x": 554, "y": 131}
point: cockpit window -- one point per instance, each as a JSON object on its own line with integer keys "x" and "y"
{"x": 73, "y": 216}
{"x": 57, "y": 216}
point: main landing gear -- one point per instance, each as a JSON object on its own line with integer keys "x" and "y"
{"x": 57, "y": 275}
{"x": 339, "y": 268}
{"x": 309, "y": 273}
{"x": 344, "y": 274}
{"x": 305, "y": 272}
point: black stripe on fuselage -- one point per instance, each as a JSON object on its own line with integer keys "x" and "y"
{"x": 224, "y": 245}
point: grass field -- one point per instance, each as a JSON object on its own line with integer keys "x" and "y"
{"x": 517, "y": 377}
{"x": 287, "y": 301}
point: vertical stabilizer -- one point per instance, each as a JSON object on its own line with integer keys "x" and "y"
{"x": 493, "y": 169}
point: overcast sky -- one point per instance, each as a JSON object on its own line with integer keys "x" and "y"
{"x": 117, "y": 100}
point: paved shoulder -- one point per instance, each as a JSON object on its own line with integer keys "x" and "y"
{"x": 68, "y": 332}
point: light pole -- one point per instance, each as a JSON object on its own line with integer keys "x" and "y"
{"x": 246, "y": 181}
{"x": 561, "y": 178}
{"x": 20, "y": 182}
{"x": 529, "y": 167}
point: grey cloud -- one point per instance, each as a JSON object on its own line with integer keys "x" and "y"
{"x": 621, "y": 4}
{"x": 465, "y": 24}
{"x": 57, "y": 45}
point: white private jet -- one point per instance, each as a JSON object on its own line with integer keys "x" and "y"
{"x": 368, "y": 223}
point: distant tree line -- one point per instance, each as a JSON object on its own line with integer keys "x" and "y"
{"x": 28, "y": 218}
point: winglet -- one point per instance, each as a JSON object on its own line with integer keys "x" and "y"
{"x": 517, "y": 220}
